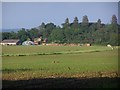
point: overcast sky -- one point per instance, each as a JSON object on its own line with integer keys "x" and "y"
{"x": 32, "y": 14}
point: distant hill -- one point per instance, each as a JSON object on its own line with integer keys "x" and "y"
{"x": 9, "y": 30}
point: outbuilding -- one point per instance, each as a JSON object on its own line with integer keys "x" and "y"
{"x": 28, "y": 43}
{"x": 10, "y": 42}
{"x": 87, "y": 44}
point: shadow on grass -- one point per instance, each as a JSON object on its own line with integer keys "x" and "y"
{"x": 101, "y": 82}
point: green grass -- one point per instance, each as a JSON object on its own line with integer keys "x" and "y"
{"x": 59, "y": 66}
{"x": 103, "y": 59}
{"x": 49, "y": 50}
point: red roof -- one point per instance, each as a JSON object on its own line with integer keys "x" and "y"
{"x": 10, "y": 41}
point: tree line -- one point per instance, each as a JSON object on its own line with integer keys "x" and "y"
{"x": 75, "y": 32}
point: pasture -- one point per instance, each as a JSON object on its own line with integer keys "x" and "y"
{"x": 25, "y": 63}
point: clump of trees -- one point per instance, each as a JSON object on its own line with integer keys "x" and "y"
{"x": 75, "y": 32}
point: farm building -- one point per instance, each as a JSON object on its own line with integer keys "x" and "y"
{"x": 45, "y": 41}
{"x": 88, "y": 44}
{"x": 10, "y": 42}
{"x": 38, "y": 41}
{"x": 28, "y": 43}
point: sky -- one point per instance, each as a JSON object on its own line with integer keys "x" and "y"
{"x": 32, "y": 14}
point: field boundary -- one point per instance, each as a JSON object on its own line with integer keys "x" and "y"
{"x": 54, "y": 53}
{"x": 93, "y": 74}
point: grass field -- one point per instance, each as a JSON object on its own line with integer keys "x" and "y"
{"x": 59, "y": 63}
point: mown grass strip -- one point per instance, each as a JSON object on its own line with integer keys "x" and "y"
{"x": 54, "y": 53}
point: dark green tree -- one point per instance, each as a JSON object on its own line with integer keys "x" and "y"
{"x": 42, "y": 26}
{"x": 22, "y": 35}
{"x": 75, "y": 23}
{"x": 114, "y": 19}
{"x": 57, "y": 36}
{"x": 32, "y": 33}
{"x": 41, "y": 29}
{"x": 48, "y": 29}
{"x": 84, "y": 32}
{"x": 85, "y": 21}
{"x": 66, "y": 25}
{"x": 98, "y": 24}
{"x": 69, "y": 35}
{"x": 6, "y": 35}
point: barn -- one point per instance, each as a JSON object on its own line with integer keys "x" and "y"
{"x": 10, "y": 42}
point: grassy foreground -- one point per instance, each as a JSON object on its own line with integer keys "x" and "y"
{"x": 58, "y": 64}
